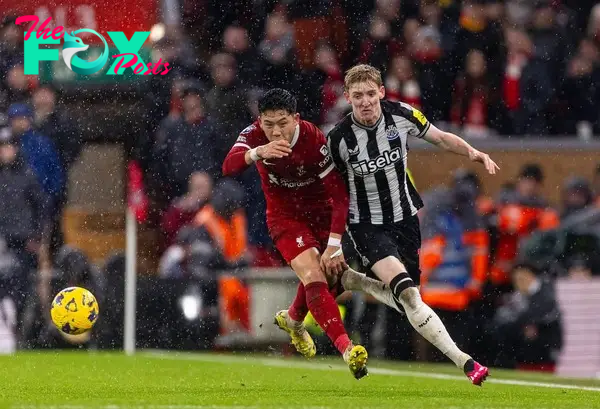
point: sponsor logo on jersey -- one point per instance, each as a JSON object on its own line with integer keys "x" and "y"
{"x": 419, "y": 116}
{"x": 366, "y": 167}
{"x": 290, "y": 184}
{"x": 248, "y": 129}
{"x": 354, "y": 151}
{"x": 300, "y": 241}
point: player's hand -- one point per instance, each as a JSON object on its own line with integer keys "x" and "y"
{"x": 333, "y": 266}
{"x": 478, "y": 156}
{"x": 274, "y": 150}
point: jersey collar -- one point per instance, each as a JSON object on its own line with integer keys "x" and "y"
{"x": 368, "y": 128}
{"x": 295, "y": 138}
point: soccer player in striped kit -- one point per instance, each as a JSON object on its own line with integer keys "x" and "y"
{"x": 369, "y": 147}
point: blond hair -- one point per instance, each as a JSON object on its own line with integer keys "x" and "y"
{"x": 362, "y": 73}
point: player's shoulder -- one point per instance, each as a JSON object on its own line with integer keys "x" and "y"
{"x": 404, "y": 110}
{"x": 397, "y": 108}
{"x": 310, "y": 129}
{"x": 336, "y": 134}
{"x": 249, "y": 133}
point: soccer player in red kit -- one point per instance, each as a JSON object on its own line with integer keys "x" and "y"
{"x": 307, "y": 206}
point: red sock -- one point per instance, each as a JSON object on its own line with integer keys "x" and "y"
{"x": 299, "y": 309}
{"x": 325, "y": 311}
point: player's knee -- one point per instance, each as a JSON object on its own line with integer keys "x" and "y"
{"x": 410, "y": 298}
{"x": 308, "y": 270}
{"x": 314, "y": 275}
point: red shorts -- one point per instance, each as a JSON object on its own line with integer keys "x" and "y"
{"x": 292, "y": 236}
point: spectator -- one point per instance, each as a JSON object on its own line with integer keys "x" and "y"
{"x": 226, "y": 103}
{"x": 579, "y": 268}
{"x": 576, "y": 196}
{"x": 474, "y": 107}
{"x": 15, "y": 87}
{"x": 484, "y": 205}
{"x": 596, "y": 184}
{"x": 580, "y": 92}
{"x": 454, "y": 257}
{"x": 329, "y": 73}
{"x": 377, "y": 48}
{"x": 187, "y": 145}
{"x": 519, "y": 53}
{"x": 523, "y": 212}
{"x": 549, "y": 41}
{"x": 24, "y": 220}
{"x": 182, "y": 210}
{"x": 38, "y": 151}
{"x": 528, "y": 328}
{"x": 237, "y": 43}
{"x": 11, "y": 45}
{"x": 277, "y": 52}
{"x": 476, "y": 31}
{"x": 401, "y": 82}
{"x": 434, "y": 79}
{"x": 51, "y": 121}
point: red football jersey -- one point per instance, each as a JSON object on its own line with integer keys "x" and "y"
{"x": 293, "y": 185}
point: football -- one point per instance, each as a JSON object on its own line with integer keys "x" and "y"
{"x": 74, "y": 310}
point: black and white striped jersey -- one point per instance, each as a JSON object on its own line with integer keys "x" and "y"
{"x": 373, "y": 161}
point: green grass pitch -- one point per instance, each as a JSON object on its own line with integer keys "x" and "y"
{"x": 160, "y": 380}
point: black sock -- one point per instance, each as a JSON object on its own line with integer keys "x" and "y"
{"x": 398, "y": 284}
{"x": 469, "y": 366}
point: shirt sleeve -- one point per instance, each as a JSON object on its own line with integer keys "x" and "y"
{"x": 324, "y": 160}
{"x": 420, "y": 124}
{"x": 235, "y": 161}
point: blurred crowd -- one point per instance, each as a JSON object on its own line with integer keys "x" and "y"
{"x": 513, "y": 68}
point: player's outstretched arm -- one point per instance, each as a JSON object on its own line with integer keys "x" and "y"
{"x": 456, "y": 144}
{"x": 334, "y": 183}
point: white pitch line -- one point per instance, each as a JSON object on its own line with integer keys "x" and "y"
{"x": 283, "y": 363}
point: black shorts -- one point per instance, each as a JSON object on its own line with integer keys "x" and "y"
{"x": 374, "y": 242}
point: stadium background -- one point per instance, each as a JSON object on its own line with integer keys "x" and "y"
{"x": 519, "y": 79}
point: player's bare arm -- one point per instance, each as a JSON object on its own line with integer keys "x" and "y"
{"x": 454, "y": 143}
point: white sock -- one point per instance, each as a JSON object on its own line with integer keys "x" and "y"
{"x": 428, "y": 324}
{"x": 354, "y": 281}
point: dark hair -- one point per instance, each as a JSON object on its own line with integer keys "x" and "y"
{"x": 277, "y": 99}
{"x": 529, "y": 266}
{"x": 532, "y": 171}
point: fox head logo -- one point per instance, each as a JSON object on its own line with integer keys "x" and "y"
{"x": 73, "y": 45}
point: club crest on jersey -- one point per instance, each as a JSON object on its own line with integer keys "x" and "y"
{"x": 301, "y": 170}
{"x": 391, "y": 132}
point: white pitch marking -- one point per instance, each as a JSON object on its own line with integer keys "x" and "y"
{"x": 381, "y": 371}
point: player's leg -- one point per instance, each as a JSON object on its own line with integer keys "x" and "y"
{"x": 354, "y": 281}
{"x": 403, "y": 281}
{"x": 285, "y": 235}
{"x": 325, "y": 310}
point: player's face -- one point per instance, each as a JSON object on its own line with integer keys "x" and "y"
{"x": 365, "y": 99}
{"x": 279, "y": 124}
